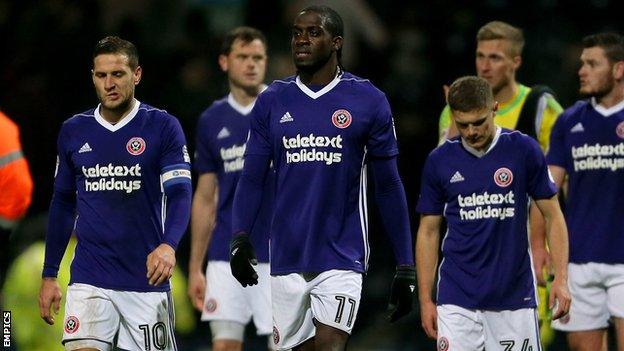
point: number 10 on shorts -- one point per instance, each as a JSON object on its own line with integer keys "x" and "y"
{"x": 156, "y": 335}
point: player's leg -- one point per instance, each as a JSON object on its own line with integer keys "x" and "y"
{"x": 147, "y": 320}
{"x": 227, "y": 335}
{"x": 258, "y": 298}
{"x": 335, "y": 299}
{"x": 91, "y": 320}
{"x": 225, "y": 306}
{"x": 619, "y": 332}
{"x": 588, "y": 318}
{"x": 460, "y": 329}
{"x": 293, "y": 322}
{"x": 512, "y": 330}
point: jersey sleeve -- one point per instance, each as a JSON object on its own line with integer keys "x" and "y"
{"x": 540, "y": 183}
{"x": 259, "y": 141}
{"x": 548, "y": 111}
{"x": 556, "y": 152}
{"x": 431, "y": 199}
{"x": 64, "y": 178}
{"x": 444, "y": 124}
{"x": 175, "y": 162}
{"x": 382, "y": 140}
{"x": 205, "y": 161}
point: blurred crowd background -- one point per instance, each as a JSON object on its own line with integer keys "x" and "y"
{"x": 409, "y": 49}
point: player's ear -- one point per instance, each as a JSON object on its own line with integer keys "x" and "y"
{"x": 618, "y": 70}
{"x": 138, "y": 73}
{"x": 495, "y": 108}
{"x": 337, "y": 43}
{"x": 517, "y": 61}
{"x": 223, "y": 63}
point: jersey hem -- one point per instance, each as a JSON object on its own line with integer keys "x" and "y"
{"x": 285, "y": 271}
{"x": 166, "y": 288}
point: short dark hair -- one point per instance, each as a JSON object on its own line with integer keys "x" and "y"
{"x": 116, "y": 45}
{"x": 611, "y": 43}
{"x": 330, "y": 20}
{"x": 245, "y": 34}
{"x": 470, "y": 93}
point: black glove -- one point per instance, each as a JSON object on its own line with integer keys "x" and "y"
{"x": 242, "y": 257}
{"x": 402, "y": 292}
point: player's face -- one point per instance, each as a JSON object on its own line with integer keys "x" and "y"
{"x": 495, "y": 64}
{"x": 596, "y": 73}
{"x": 114, "y": 81}
{"x": 476, "y": 127}
{"x": 245, "y": 64}
{"x": 311, "y": 44}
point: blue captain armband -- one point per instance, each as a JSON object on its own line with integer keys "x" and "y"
{"x": 175, "y": 174}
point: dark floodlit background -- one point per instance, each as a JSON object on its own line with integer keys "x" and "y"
{"x": 408, "y": 49}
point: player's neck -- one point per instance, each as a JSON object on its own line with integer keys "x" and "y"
{"x": 614, "y": 97}
{"x": 321, "y": 76}
{"x": 113, "y": 116}
{"x": 245, "y": 97}
{"x": 506, "y": 93}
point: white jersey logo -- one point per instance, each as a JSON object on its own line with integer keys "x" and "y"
{"x": 85, "y": 148}
{"x": 224, "y": 133}
{"x": 457, "y": 177}
{"x": 286, "y": 118}
{"x": 577, "y": 128}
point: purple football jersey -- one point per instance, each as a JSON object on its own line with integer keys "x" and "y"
{"x": 486, "y": 260}
{"x": 588, "y": 141}
{"x": 118, "y": 173}
{"x": 319, "y": 142}
{"x": 222, "y": 132}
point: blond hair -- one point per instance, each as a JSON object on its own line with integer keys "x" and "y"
{"x": 503, "y": 31}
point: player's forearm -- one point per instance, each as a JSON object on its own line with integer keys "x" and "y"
{"x": 392, "y": 204}
{"x": 60, "y": 224}
{"x": 426, "y": 262}
{"x": 558, "y": 244}
{"x": 248, "y": 196}
{"x": 178, "y": 212}
{"x": 537, "y": 224}
{"x": 202, "y": 224}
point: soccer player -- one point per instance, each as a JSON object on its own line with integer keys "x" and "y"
{"x": 587, "y": 144}
{"x": 123, "y": 186}
{"x": 321, "y": 129}
{"x": 486, "y": 289}
{"x": 532, "y": 111}
{"x": 221, "y": 136}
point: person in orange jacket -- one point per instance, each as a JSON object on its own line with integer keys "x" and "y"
{"x": 16, "y": 186}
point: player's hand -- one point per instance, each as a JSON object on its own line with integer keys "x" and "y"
{"x": 429, "y": 318}
{"x": 242, "y": 257}
{"x": 541, "y": 265}
{"x": 49, "y": 299}
{"x": 197, "y": 289}
{"x": 160, "y": 263}
{"x": 559, "y": 300}
{"x": 402, "y": 292}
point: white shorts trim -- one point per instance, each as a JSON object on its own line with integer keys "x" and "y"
{"x": 332, "y": 298}
{"x": 467, "y": 329}
{"x": 597, "y": 291}
{"x": 98, "y": 314}
{"x": 227, "y": 300}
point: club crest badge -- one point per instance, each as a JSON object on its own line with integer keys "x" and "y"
{"x": 503, "y": 177}
{"x": 71, "y": 325}
{"x": 211, "y": 305}
{"x": 135, "y": 146}
{"x": 443, "y": 344}
{"x": 619, "y": 130}
{"x": 341, "y": 118}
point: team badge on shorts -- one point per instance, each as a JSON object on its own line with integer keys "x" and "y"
{"x": 341, "y": 119}
{"x": 503, "y": 177}
{"x": 443, "y": 344}
{"x": 276, "y": 336}
{"x": 135, "y": 146}
{"x": 71, "y": 325}
{"x": 619, "y": 130}
{"x": 211, "y": 305}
